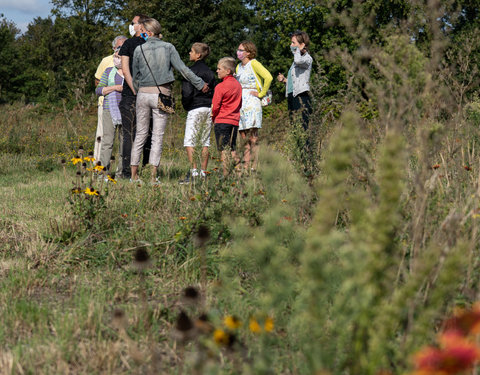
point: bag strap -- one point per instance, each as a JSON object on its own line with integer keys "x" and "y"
{"x": 154, "y": 80}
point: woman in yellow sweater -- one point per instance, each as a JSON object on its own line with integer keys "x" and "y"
{"x": 255, "y": 81}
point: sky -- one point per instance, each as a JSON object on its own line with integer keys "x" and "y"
{"x": 22, "y": 12}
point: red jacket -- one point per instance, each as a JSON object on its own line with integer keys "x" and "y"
{"x": 227, "y": 101}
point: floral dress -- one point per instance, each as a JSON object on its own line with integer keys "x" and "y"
{"x": 251, "y": 111}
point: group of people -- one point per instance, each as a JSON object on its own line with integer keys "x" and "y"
{"x": 130, "y": 81}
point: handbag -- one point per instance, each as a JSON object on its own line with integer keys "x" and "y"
{"x": 166, "y": 103}
{"x": 267, "y": 99}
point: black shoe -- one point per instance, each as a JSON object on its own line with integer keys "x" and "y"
{"x": 186, "y": 180}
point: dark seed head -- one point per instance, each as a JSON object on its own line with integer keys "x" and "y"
{"x": 112, "y": 158}
{"x": 84, "y": 165}
{"x": 203, "y": 318}
{"x": 63, "y": 161}
{"x": 183, "y": 322}
{"x": 99, "y": 163}
{"x": 79, "y": 173}
{"x": 119, "y": 318}
{"x": 141, "y": 255}
{"x": 191, "y": 292}
{"x": 118, "y": 314}
{"x": 203, "y": 232}
{"x": 99, "y": 139}
{"x": 202, "y": 236}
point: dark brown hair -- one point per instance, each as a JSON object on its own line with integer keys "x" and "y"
{"x": 302, "y": 37}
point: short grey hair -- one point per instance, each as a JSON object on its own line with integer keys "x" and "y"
{"x": 117, "y": 38}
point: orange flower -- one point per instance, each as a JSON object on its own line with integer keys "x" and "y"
{"x": 193, "y": 199}
{"x": 456, "y": 354}
{"x": 465, "y": 321}
{"x": 182, "y": 218}
{"x": 436, "y": 166}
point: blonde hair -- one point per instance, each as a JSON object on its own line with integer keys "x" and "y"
{"x": 201, "y": 48}
{"x": 250, "y": 48}
{"x": 153, "y": 26}
{"x": 227, "y": 63}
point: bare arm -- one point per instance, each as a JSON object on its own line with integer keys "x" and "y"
{"x": 126, "y": 73}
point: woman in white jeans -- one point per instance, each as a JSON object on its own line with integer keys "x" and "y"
{"x": 152, "y": 72}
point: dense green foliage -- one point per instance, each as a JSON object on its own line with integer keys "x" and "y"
{"x": 60, "y": 53}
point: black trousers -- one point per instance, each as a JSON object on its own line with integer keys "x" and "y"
{"x": 128, "y": 111}
{"x": 303, "y": 103}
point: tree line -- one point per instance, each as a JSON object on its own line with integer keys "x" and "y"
{"x": 55, "y": 59}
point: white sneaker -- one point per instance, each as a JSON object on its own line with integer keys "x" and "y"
{"x": 194, "y": 173}
{"x": 203, "y": 174}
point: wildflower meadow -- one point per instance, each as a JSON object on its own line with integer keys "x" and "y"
{"x": 360, "y": 257}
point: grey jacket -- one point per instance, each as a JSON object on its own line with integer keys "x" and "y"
{"x": 301, "y": 69}
{"x": 161, "y": 57}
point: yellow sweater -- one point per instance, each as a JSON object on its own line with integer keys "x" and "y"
{"x": 263, "y": 76}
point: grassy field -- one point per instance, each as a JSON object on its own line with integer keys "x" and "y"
{"x": 73, "y": 298}
{"x": 348, "y": 261}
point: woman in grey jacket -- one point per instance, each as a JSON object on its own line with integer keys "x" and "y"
{"x": 298, "y": 77}
{"x": 153, "y": 64}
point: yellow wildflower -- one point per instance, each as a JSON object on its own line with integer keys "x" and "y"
{"x": 269, "y": 325}
{"x": 99, "y": 168}
{"x": 254, "y": 326}
{"x": 220, "y": 337}
{"x": 232, "y": 322}
{"x": 111, "y": 179}
{"x": 76, "y": 160}
{"x": 89, "y": 158}
{"x": 91, "y": 191}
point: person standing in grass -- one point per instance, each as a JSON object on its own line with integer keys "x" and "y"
{"x": 226, "y": 105}
{"x": 298, "y": 78}
{"x": 110, "y": 87}
{"x": 198, "y": 105}
{"x": 152, "y": 73}
{"x": 255, "y": 81}
{"x": 129, "y": 94}
{"x": 107, "y": 62}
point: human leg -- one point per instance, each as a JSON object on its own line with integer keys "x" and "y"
{"x": 119, "y": 169}
{"x": 127, "y": 110}
{"x": 160, "y": 120}
{"x": 246, "y": 143}
{"x": 107, "y": 139}
{"x": 143, "y": 111}
{"x": 99, "y": 134}
{"x": 253, "y": 140}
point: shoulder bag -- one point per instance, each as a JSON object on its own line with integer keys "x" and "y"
{"x": 166, "y": 103}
